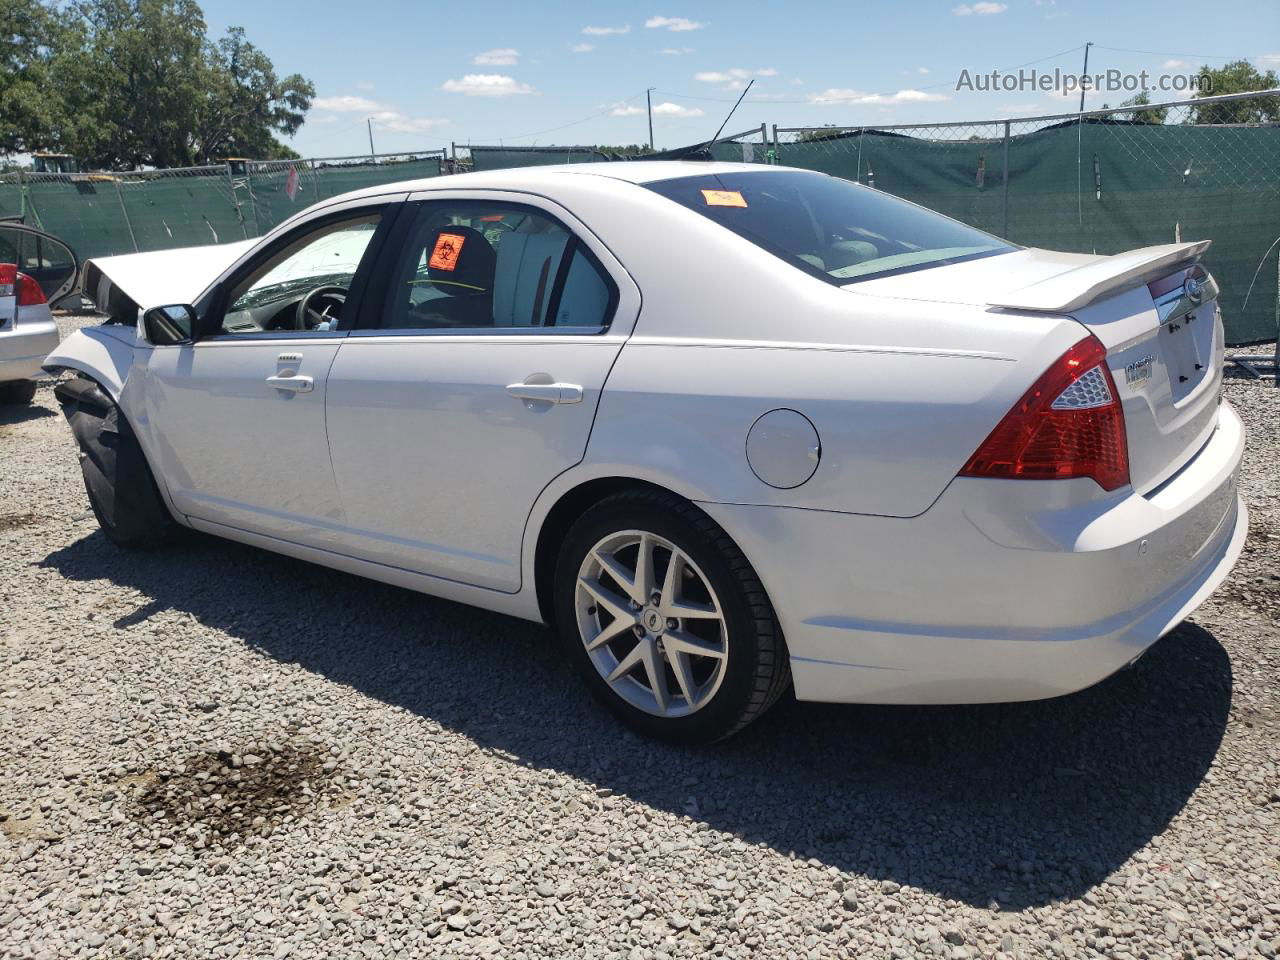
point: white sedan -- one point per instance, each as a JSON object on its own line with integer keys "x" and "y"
{"x": 728, "y": 428}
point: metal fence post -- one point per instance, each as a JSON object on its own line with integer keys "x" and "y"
{"x": 125, "y": 210}
{"x": 1004, "y": 193}
{"x": 235, "y": 200}
{"x": 775, "y": 143}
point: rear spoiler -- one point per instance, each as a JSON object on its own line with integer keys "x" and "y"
{"x": 1082, "y": 285}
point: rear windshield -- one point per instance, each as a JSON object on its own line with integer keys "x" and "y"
{"x": 831, "y": 228}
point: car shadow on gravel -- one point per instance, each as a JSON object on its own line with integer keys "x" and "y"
{"x": 15, "y": 413}
{"x": 1016, "y": 805}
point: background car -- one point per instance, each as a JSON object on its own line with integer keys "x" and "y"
{"x": 728, "y": 428}
{"x": 35, "y": 270}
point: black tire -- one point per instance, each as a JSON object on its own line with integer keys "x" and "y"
{"x": 121, "y": 488}
{"x": 18, "y": 391}
{"x": 757, "y": 670}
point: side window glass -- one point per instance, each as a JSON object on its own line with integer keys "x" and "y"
{"x": 469, "y": 265}
{"x": 302, "y": 287}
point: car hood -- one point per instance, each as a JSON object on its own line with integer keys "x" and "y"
{"x": 120, "y": 286}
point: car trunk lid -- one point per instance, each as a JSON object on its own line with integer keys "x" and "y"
{"x": 1154, "y": 309}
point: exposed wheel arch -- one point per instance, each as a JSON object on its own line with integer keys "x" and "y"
{"x": 571, "y": 505}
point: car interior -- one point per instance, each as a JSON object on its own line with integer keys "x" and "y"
{"x": 480, "y": 267}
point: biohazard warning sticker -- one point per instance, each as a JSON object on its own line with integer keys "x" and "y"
{"x": 723, "y": 198}
{"x": 445, "y": 254}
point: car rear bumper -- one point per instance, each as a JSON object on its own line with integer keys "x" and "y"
{"x": 1003, "y": 590}
{"x": 24, "y": 347}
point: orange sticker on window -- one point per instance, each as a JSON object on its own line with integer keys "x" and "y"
{"x": 447, "y": 249}
{"x": 723, "y": 198}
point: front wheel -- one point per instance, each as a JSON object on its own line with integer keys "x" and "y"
{"x": 666, "y": 620}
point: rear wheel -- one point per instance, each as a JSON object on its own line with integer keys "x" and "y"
{"x": 666, "y": 620}
{"x": 121, "y": 489}
{"x": 18, "y": 391}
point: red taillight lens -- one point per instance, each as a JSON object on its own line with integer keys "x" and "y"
{"x": 25, "y": 288}
{"x": 29, "y": 292}
{"x": 1069, "y": 424}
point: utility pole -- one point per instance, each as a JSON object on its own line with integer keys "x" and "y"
{"x": 373, "y": 154}
{"x": 1084, "y": 74}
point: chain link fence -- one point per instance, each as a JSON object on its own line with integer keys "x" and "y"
{"x": 100, "y": 214}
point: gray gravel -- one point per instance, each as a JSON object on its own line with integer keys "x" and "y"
{"x": 211, "y": 751}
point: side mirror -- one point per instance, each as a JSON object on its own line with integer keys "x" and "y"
{"x": 165, "y": 326}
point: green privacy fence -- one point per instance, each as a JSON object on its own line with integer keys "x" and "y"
{"x": 100, "y": 214}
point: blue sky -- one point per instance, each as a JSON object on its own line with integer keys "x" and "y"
{"x": 533, "y": 73}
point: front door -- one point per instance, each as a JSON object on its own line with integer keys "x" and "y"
{"x": 472, "y": 384}
{"x": 237, "y": 419}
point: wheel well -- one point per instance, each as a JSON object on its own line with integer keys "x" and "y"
{"x": 562, "y": 516}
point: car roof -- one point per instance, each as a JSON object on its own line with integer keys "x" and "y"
{"x": 525, "y": 178}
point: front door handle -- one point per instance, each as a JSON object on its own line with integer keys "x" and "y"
{"x": 294, "y": 384}
{"x": 546, "y": 392}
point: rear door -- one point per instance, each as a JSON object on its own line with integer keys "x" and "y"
{"x": 474, "y": 382}
{"x": 237, "y": 419}
{"x": 41, "y": 256}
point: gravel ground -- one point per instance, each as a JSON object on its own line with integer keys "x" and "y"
{"x": 211, "y": 751}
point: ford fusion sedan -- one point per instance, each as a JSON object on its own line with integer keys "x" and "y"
{"x": 731, "y": 430}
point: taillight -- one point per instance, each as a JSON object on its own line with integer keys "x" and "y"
{"x": 26, "y": 289}
{"x": 1069, "y": 424}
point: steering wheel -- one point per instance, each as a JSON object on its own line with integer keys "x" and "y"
{"x": 313, "y": 311}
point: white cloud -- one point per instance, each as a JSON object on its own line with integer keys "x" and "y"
{"x": 664, "y": 109}
{"x": 734, "y": 78}
{"x": 835, "y": 95}
{"x": 1173, "y": 64}
{"x": 923, "y": 71}
{"x": 582, "y": 48}
{"x": 364, "y": 85}
{"x": 386, "y": 118}
{"x": 674, "y": 24}
{"x": 1269, "y": 59}
{"x": 669, "y": 109}
{"x": 399, "y": 123}
{"x": 500, "y": 57}
{"x": 982, "y": 9}
{"x": 606, "y": 31}
{"x": 346, "y": 104}
{"x": 675, "y": 51}
{"x": 486, "y": 85}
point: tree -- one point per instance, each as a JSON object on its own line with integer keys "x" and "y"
{"x": 246, "y": 103}
{"x": 1238, "y": 76}
{"x": 1154, "y": 115}
{"x": 29, "y": 32}
{"x": 131, "y": 83}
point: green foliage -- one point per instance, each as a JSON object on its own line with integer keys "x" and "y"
{"x": 29, "y": 33}
{"x": 127, "y": 83}
{"x": 1238, "y": 76}
{"x": 1155, "y": 115}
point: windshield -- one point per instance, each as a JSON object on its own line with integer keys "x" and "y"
{"x": 831, "y": 228}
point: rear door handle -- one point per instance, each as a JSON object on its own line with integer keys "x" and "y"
{"x": 294, "y": 384}
{"x": 546, "y": 392}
